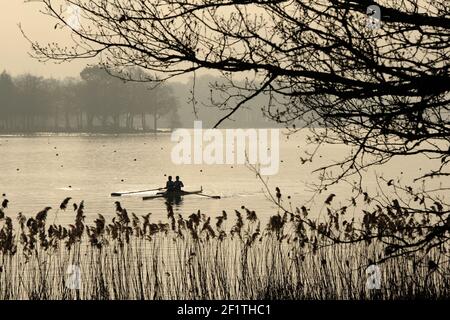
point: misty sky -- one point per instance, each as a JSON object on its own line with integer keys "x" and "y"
{"x": 14, "y": 48}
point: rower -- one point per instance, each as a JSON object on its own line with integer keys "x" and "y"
{"x": 178, "y": 184}
{"x": 170, "y": 185}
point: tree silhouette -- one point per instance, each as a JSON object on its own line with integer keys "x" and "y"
{"x": 99, "y": 102}
{"x": 384, "y": 91}
{"x": 7, "y": 93}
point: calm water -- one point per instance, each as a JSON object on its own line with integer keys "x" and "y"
{"x": 40, "y": 171}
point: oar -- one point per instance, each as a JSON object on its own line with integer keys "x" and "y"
{"x": 205, "y": 195}
{"x": 118, "y": 194}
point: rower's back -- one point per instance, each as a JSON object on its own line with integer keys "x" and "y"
{"x": 178, "y": 184}
{"x": 170, "y": 184}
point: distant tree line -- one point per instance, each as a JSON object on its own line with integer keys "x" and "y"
{"x": 98, "y": 102}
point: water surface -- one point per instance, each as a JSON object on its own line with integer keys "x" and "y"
{"x": 39, "y": 171}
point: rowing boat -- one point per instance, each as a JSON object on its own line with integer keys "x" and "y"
{"x": 172, "y": 194}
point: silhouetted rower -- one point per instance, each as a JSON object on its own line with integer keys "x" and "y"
{"x": 178, "y": 184}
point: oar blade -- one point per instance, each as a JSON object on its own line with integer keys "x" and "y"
{"x": 119, "y": 194}
{"x": 208, "y": 196}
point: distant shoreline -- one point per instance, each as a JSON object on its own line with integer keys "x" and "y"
{"x": 87, "y": 133}
{"x": 112, "y": 132}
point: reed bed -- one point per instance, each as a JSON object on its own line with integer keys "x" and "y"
{"x": 200, "y": 258}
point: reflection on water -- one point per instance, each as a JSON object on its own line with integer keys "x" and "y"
{"x": 175, "y": 200}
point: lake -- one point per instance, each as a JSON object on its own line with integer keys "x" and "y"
{"x": 41, "y": 170}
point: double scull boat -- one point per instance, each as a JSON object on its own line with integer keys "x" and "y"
{"x": 172, "y": 194}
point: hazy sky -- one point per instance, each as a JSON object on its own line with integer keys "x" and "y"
{"x": 14, "y": 48}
